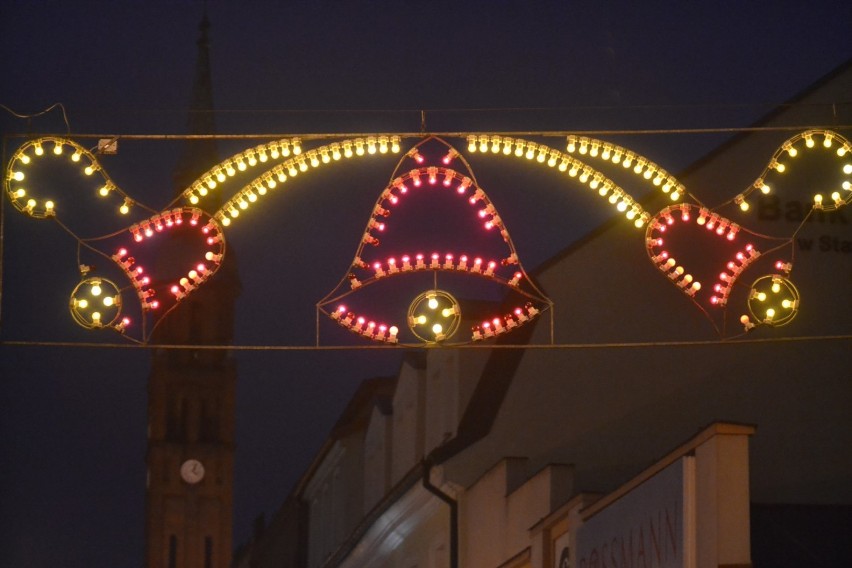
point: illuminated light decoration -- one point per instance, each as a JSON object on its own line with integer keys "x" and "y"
{"x": 291, "y": 168}
{"x": 361, "y": 326}
{"x": 434, "y": 316}
{"x": 197, "y": 271}
{"x": 773, "y": 301}
{"x": 421, "y": 326}
{"x": 677, "y": 273}
{"x": 95, "y": 303}
{"x": 502, "y": 324}
{"x": 645, "y": 170}
{"x": 249, "y": 158}
{"x": 28, "y": 199}
{"x": 586, "y": 174}
{"x": 25, "y": 196}
{"x": 791, "y": 148}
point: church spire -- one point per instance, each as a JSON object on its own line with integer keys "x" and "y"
{"x": 197, "y": 156}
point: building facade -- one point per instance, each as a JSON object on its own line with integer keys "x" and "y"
{"x": 643, "y": 440}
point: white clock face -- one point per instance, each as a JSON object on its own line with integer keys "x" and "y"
{"x": 192, "y": 471}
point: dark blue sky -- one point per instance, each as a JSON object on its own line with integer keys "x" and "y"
{"x": 72, "y": 419}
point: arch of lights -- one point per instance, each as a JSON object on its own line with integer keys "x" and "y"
{"x": 96, "y": 302}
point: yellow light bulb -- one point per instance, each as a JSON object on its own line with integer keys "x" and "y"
{"x": 437, "y": 328}
{"x": 96, "y": 317}
{"x": 58, "y": 148}
{"x": 96, "y": 290}
{"x": 18, "y": 176}
{"x": 38, "y": 150}
{"x": 108, "y": 301}
{"x": 25, "y": 159}
{"x": 75, "y": 157}
{"x": 433, "y": 303}
{"x": 776, "y": 287}
{"x": 420, "y": 319}
{"x": 83, "y": 304}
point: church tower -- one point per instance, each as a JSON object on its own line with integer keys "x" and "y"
{"x": 191, "y": 392}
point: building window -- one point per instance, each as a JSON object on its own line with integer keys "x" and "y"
{"x": 208, "y": 552}
{"x": 172, "y": 551}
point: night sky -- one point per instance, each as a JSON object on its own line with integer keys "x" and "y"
{"x": 73, "y": 419}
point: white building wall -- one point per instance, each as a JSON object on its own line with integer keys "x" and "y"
{"x": 377, "y": 459}
{"x": 408, "y": 422}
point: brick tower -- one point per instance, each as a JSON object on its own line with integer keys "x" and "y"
{"x": 191, "y": 392}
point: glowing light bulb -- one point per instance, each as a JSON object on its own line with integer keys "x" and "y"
{"x": 38, "y": 149}
{"x": 437, "y": 329}
{"x": 96, "y": 290}
{"x": 109, "y": 301}
{"x": 18, "y": 176}
{"x": 433, "y": 303}
{"x": 83, "y": 304}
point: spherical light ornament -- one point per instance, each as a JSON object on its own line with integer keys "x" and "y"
{"x": 773, "y": 300}
{"x": 95, "y": 303}
{"x": 434, "y": 316}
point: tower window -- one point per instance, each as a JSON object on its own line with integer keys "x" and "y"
{"x": 172, "y": 551}
{"x": 208, "y": 552}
